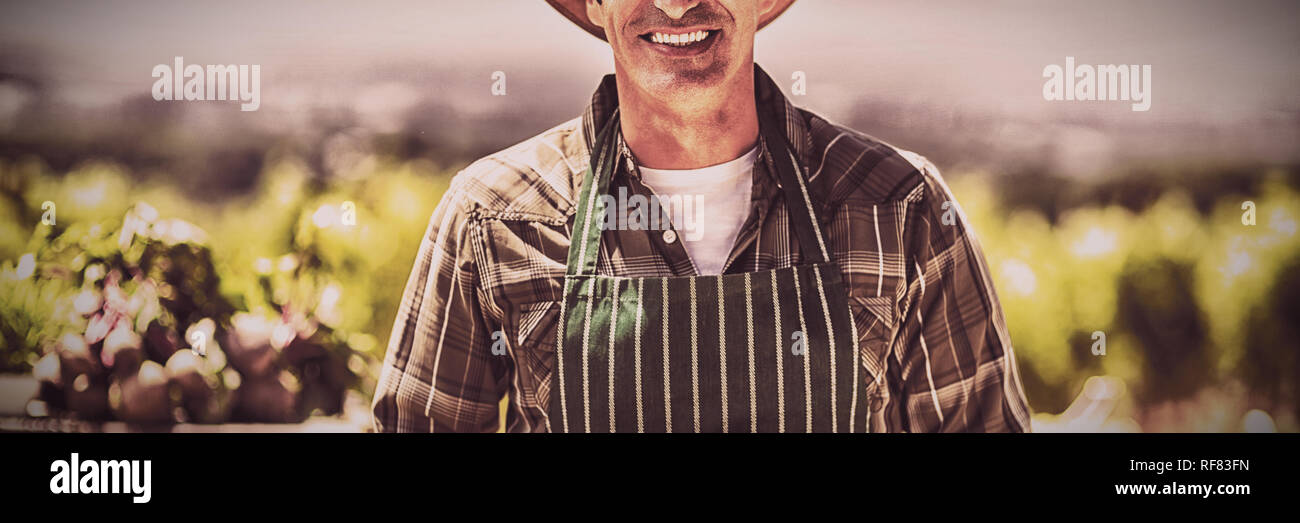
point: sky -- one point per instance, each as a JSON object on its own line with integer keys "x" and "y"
{"x": 1219, "y": 59}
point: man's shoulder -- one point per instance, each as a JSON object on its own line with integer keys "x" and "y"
{"x": 531, "y": 180}
{"x": 861, "y": 167}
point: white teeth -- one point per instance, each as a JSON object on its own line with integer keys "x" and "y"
{"x": 679, "y": 39}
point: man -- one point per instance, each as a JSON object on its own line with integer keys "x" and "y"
{"x": 695, "y": 254}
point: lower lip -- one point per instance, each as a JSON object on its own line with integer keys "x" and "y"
{"x": 694, "y": 49}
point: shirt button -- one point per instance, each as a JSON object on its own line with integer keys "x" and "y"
{"x": 670, "y": 236}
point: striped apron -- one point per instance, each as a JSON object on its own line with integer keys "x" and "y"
{"x": 769, "y": 351}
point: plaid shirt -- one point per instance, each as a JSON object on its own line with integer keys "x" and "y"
{"x": 477, "y": 321}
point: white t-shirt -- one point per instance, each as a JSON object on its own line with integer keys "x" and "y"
{"x": 714, "y": 205}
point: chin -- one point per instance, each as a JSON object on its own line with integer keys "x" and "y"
{"x": 690, "y": 80}
{"x": 684, "y": 81}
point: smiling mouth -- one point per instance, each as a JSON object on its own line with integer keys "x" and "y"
{"x": 687, "y": 40}
{"x": 677, "y": 39}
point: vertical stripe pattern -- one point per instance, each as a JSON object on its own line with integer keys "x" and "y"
{"x": 726, "y": 367}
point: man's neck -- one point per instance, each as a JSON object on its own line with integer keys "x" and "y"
{"x": 688, "y": 134}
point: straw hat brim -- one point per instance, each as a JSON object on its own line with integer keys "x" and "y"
{"x": 576, "y": 11}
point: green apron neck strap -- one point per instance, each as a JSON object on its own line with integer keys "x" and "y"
{"x": 589, "y": 222}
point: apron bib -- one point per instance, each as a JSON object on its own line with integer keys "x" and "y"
{"x": 768, "y": 351}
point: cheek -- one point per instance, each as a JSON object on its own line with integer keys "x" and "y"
{"x": 623, "y": 47}
{"x": 744, "y": 13}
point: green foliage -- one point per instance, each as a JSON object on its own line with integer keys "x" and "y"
{"x": 1188, "y": 301}
{"x": 291, "y": 289}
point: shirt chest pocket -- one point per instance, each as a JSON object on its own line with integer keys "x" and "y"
{"x": 872, "y": 318}
{"x": 534, "y": 326}
{"x": 531, "y": 331}
{"x": 867, "y": 246}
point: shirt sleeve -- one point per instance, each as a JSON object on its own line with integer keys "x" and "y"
{"x": 439, "y": 374}
{"x": 956, "y": 371}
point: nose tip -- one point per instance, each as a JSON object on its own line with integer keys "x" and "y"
{"x": 675, "y": 9}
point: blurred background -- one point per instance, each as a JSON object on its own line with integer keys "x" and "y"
{"x": 277, "y": 242}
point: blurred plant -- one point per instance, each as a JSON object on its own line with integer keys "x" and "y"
{"x": 1158, "y": 308}
{"x": 1271, "y": 360}
{"x": 1189, "y": 301}
{"x": 283, "y": 304}
{"x": 151, "y": 340}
